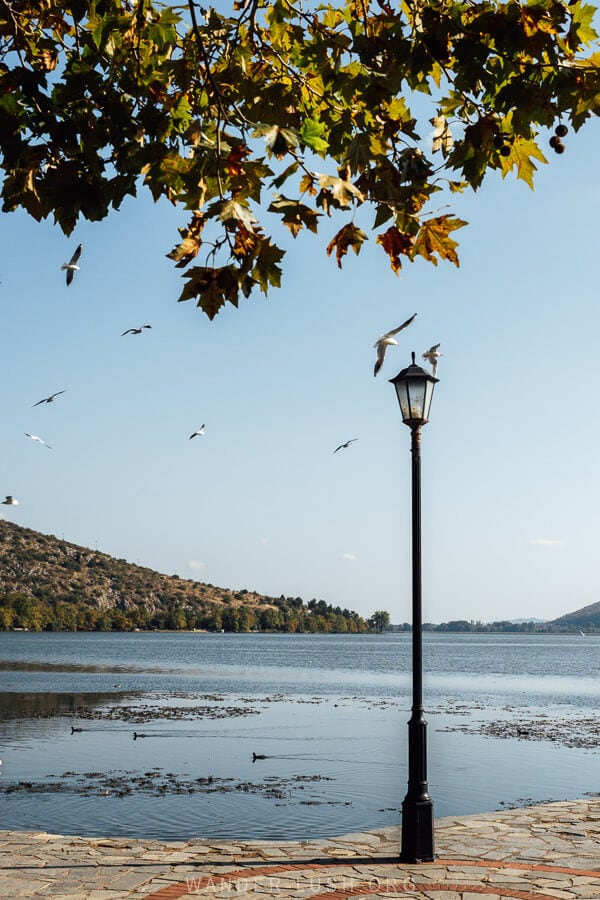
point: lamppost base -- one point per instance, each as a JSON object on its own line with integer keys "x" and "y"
{"x": 417, "y": 831}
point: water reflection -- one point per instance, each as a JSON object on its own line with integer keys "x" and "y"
{"x": 18, "y": 705}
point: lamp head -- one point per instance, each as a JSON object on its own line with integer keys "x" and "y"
{"x": 414, "y": 389}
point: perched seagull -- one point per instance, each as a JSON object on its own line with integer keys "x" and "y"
{"x": 198, "y": 432}
{"x": 136, "y": 330}
{"x": 10, "y": 501}
{"x": 48, "y": 399}
{"x": 432, "y": 355}
{"x": 39, "y": 440}
{"x": 347, "y": 444}
{"x": 72, "y": 267}
{"x": 386, "y": 340}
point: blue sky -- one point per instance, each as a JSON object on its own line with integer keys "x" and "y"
{"x": 510, "y": 487}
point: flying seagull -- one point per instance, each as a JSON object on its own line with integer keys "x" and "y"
{"x": 198, "y": 432}
{"x": 136, "y": 330}
{"x": 432, "y": 355}
{"x": 49, "y": 399}
{"x": 72, "y": 267}
{"x": 386, "y": 340}
{"x": 347, "y": 444}
{"x": 10, "y": 501}
{"x": 38, "y": 440}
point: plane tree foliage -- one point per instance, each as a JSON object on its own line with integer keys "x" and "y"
{"x": 285, "y": 111}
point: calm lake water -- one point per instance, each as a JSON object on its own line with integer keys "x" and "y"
{"x": 512, "y": 719}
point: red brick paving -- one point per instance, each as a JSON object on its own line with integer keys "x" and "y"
{"x": 194, "y": 885}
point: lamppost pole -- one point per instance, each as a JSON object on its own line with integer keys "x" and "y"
{"x": 417, "y": 807}
{"x": 414, "y": 387}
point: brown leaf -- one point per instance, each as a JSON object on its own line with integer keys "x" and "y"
{"x": 185, "y": 252}
{"x": 348, "y": 236}
{"x": 233, "y": 163}
{"x": 396, "y": 243}
{"x": 213, "y": 287}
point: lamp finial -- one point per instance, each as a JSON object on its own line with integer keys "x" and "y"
{"x": 413, "y": 358}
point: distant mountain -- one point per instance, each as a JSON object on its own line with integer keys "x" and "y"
{"x": 532, "y": 619}
{"x": 586, "y": 617}
{"x": 52, "y": 584}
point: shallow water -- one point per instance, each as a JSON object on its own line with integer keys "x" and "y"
{"x": 328, "y": 711}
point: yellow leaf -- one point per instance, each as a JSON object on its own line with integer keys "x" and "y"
{"x": 434, "y": 237}
{"x": 522, "y": 153}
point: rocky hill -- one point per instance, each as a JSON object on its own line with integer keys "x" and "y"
{"x": 586, "y": 617}
{"x": 51, "y": 584}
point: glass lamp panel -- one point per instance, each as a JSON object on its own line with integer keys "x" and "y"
{"x": 417, "y": 389}
{"x": 403, "y": 399}
{"x": 429, "y": 385}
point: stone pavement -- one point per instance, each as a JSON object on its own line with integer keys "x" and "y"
{"x": 538, "y": 853}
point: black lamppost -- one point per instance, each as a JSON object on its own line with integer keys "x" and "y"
{"x": 414, "y": 387}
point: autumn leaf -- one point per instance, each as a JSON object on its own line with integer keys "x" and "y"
{"x": 46, "y": 60}
{"x": 283, "y": 177}
{"x": 212, "y": 287}
{"x": 295, "y": 215}
{"x": 342, "y": 192}
{"x": 99, "y": 100}
{"x": 396, "y": 243}
{"x": 522, "y": 153}
{"x": 233, "y": 163}
{"x": 185, "y": 252}
{"x": 434, "y": 237}
{"x": 442, "y": 137}
{"x": 348, "y": 236}
{"x": 278, "y": 141}
{"x": 231, "y": 212}
{"x": 245, "y": 244}
{"x": 582, "y": 17}
{"x": 307, "y": 185}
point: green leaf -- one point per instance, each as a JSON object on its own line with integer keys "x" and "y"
{"x": 267, "y": 271}
{"x": 311, "y": 134}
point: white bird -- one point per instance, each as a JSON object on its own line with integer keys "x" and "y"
{"x": 347, "y": 444}
{"x": 10, "y": 501}
{"x": 386, "y": 340}
{"x": 38, "y": 440}
{"x": 432, "y": 355}
{"x": 198, "y": 432}
{"x": 136, "y": 330}
{"x": 72, "y": 267}
{"x": 49, "y": 399}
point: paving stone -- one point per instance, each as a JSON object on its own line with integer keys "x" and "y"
{"x": 564, "y": 835}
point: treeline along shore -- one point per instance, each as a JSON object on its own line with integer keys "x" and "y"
{"x": 575, "y": 625}
{"x": 48, "y": 584}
